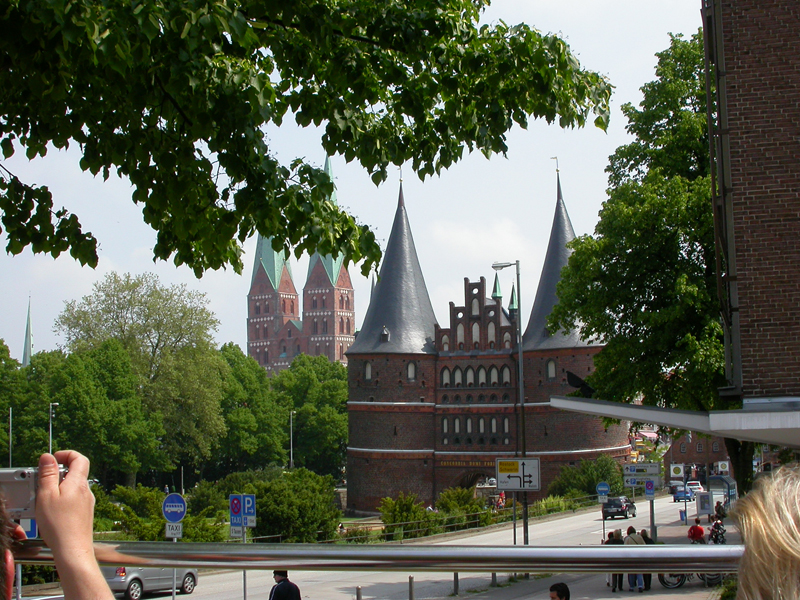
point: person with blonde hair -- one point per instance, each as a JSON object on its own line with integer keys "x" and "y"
{"x": 769, "y": 521}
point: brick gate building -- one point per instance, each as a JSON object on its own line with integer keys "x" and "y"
{"x": 432, "y": 407}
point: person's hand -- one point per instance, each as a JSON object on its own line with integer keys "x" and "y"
{"x": 65, "y": 512}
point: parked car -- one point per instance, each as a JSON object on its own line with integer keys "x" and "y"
{"x": 620, "y": 506}
{"x": 675, "y": 485}
{"x": 683, "y": 495}
{"x": 695, "y": 486}
{"x": 135, "y": 581}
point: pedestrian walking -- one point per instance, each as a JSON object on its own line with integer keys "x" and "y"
{"x": 616, "y": 578}
{"x": 608, "y": 575}
{"x": 283, "y": 588}
{"x": 648, "y": 577}
{"x": 635, "y": 580}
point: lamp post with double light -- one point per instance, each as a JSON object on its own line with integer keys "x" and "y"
{"x": 499, "y": 266}
{"x": 52, "y": 404}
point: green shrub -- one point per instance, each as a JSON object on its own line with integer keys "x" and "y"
{"x": 206, "y": 494}
{"x": 145, "y": 502}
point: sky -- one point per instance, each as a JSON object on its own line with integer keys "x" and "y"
{"x": 478, "y": 212}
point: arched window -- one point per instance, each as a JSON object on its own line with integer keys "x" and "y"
{"x": 506, "y": 376}
{"x": 257, "y": 332}
{"x": 683, "y": 447}
{"x": 446, "y": 343}
{"x": 289, "y": 331}
{"x": 456, "y": 425}
{"x": 317, "y": 350}
{"x": 446, "y": 377}
{"x": 341, "y": 351}
{"x": 341, "y": 325}
{"x": 266, "y": 356}
{"x": 476, "y": 334}
{"x": 481, "y": 376}
{"x": 315, "y": 327}
{"x": 476, "y": 307}
{"x": 445, "y": 425}
{"x": 266, "y": 308}
{"x": 324, "y": 325}
{"x": 494, "y": 424}
{"x": 283, "y": 348}
{"x": 551, "y": 369}
{"x": 491, "y": 334}
{"x": 460, "y": 333}
{"x": 314, "y": 302}
{"x": 469, "y": 424}
{"x": 341, "y": 302}
{"x": 283, "y": 305}
{"x": 457, "y": 381}
{"x": 505, "y": 424}
{"x": 506, "y": 340}
{"x": 348, "y": 325}
{"x": 470, "y": 377}
{"x": 258, "y": 308}
{"x": 699, "y": 447}
{"x": 412, "y": 371}
{"x": 481, "y": 425}
{"x": 291, "y": 306}
{"x": 506, "y": 398}
{"x": 715, "y": 446}
{"x": 323, "y": 302}
{"x": 297, "y": 350}
{"x": 445, "y": 399}
{"x": 493, "y": 376}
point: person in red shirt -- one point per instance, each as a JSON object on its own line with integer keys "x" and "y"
{"x": 696, "y": 533}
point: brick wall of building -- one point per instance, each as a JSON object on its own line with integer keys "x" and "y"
{"x": 762, "y": 64}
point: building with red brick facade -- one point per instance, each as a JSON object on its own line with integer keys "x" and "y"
{"x": 275, "y": 331}
{"x": 433, "y": 407}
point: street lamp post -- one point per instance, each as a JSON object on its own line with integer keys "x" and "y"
{"x": 52, "y": 404}
{"x": 498, "y": 266}
{"x": 291, "y": 439}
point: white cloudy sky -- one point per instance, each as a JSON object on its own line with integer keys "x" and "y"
{"x": 478, "y": 212}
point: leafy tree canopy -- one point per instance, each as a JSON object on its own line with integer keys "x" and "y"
{"x": 582, "y": 479}
{"x": 175, "y": 96}
{"x": 644, "y": 284}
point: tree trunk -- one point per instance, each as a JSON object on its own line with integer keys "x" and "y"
{"x": 741, "y": 455}
{"x": 130, "y": 480}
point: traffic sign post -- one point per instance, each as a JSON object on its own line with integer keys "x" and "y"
{"x": 642, "y": 469}
{"x": 518, "y": 474}
{"x": 235, "y": 503}
{"x": 640, "y": 481}
{"x": 174, "y": 509}
{"x": 248, "y": 510}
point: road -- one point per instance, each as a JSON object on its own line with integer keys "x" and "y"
{"x": 571, "y": 529}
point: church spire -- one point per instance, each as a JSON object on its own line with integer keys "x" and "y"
{"x": 400, "y": 318}
{"x": 496, "y": 293}
{"x": 512, "y": 305}
{"x": 332, "y": 266}
{"x": 271, "y": 260}
{"x": 536, "y": 335}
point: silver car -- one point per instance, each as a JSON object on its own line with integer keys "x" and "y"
{"x": 135, "y": 581}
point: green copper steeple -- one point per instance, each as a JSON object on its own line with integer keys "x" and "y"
{"x": 496, "y": 293}
{"x": 513, "y": 304}
{"x": 272, "y": 261}
{"x": 332, "y": 266}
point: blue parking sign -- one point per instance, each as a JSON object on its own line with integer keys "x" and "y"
{"x": 249, "y": 510}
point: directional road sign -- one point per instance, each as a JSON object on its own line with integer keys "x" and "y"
{"x": 249, "y": 510}
{"x": 518, "y": 474}
{"x": 641, "y": 469}
{"x": 174, "y": 508}
{"x": 236, "y": 509}
{"x": 640, "y": 480}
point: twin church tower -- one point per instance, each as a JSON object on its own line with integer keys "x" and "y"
{"x": 433, "y": 406}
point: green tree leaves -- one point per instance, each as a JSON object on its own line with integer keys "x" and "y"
{"x": 175, "y": 96}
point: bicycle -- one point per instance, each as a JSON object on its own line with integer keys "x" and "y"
{"x": 672, "y": 581}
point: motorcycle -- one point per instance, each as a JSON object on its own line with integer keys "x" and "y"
{"x": 717, "y": 534}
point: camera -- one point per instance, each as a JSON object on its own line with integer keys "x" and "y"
{"x": 18, "y": 487}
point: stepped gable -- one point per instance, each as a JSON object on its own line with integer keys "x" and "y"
{"x": 536, "y": 336}
{"x": 272, "y": 262}
{"x": 400, "y": 318}
{"x": 332, "y": 266}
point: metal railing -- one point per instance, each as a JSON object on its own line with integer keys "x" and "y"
{"x": 412, "y": 558}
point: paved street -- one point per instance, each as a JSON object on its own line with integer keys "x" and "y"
{"x": 585, "y": 528}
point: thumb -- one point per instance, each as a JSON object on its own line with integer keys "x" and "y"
{"x": 48, "y": 473}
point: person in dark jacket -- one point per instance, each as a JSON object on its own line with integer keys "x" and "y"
{"x": 648, "y": 577}
{"x": 616, "y": 578}
{"x": 283, "y": 588}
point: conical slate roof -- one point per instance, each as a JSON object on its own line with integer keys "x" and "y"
{"x": 536, "y": 336}
{"x": 273, "y": 262}
{"x": 400, "y": 318}
{"x": 332, "y": 266}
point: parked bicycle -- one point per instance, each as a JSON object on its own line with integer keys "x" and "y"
{"x": 676, "y": 580}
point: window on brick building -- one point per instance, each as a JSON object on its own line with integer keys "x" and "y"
{"x": 460, "y": 334}
{"x": 289, "y": 332}
{"x": 476, "y": 307}
{"x": 323, "y": 302}
{"x": 493, "y": 398}
{"x": 457, "y": 377}
{"x": 493, "y": 376}
{"x": 476, "y": 335}
{"x": 266, "y": 307}
{"x": 297, "y": 350}
{"x": 494, "y": 424}
{"x": 317, "y": 350}
{"x": 266, "y": 356}
{"x": 481, "y": 398}
{"x": 341, "y": 351}
{"x": 469, "y": 424}
{"x": 341, "y": 302}
{"x": 715, "y": 446}
{"x": 699, "y": 447}
{"x": 456, "y": 425}
{"x": 469, "y": 398}
{"x": 283, "y": 305}
{"x": 683, "y": 447}
{"x": 445, "y": 425}
{"x": 551, "y": 369}
{"x": 507, "y": 340}
{"x": 411, "y": 371}
{"x": 445, "y": 343}
{"x": 347, "y": 326}
{"x": 481, "y": 376}
{"x": 446, "y": 377}
{"x": 258, "y": 308}
{"x": 505, "y": 424}
{"x": 506, "y": 376}
{"x": 456, "y": 398}
{"x": 445, "y": 399}
{"x": 314, "y": 302}
{"x": 491, "y": 334}
{"x": 341, "y": 325}
{"x": 506, "y": 398}
{"x": 315, "y": 327}
{"x": 470, "y": 376}
{"x": 283, "y": 349}
{"x": 481, "y": 425}
{"x": 324, "y": 325}
{"x": 291, "y": 306}
{"x": 444, "y": 441}
{"x": 367, "y": 370}
{"x": 506, "y": 441}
